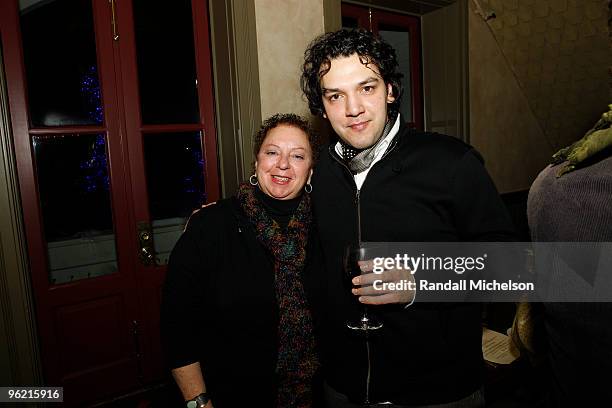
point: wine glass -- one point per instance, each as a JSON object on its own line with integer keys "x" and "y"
{"x": 352, "y": 255}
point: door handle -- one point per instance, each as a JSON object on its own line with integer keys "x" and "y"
{"x": 146, "y": 251}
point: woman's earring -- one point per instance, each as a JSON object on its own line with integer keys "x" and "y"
{"x": 308, "y": 188}
{"x": 253, "y": 180}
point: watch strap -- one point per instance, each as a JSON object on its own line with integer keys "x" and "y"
{"x": 198, "y": 402}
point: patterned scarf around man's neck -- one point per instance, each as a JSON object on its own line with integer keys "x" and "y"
{"x": 359, "y": 160}
{"x": 297, "y": 360}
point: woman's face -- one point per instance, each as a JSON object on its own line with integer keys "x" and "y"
{"x": 284, "y": 162}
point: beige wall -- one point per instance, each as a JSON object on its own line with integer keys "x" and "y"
{"x": 559, "y": 51}
{"x": 537, "y": 75}
{"x": 538, "y": 81}
{"x": 502, "y": 127}
{"x": 445, "y": 79}
{"x": 284, "y": 29}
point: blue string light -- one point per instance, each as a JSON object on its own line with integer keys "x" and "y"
{"x": 90, "y": 89}
{"x": 190, "y": 185}
{"x": 95, "y": 167}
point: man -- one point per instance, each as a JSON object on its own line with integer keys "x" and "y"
{"x": 383, "y": 182}
{"x": 569, "y": 201}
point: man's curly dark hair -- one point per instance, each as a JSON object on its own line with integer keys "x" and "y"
{"x": 344, "y": 43}
{"x": 287, "y": 119}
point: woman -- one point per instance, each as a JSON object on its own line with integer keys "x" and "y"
{"x": 236, "y": 325}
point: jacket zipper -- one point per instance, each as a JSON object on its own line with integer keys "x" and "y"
{"x": 358, "y": 205}
{"x": 369, "y": 374}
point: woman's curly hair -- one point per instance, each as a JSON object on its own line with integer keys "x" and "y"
{"x": 287, "y": 119}
{"x": 344, "y": 43}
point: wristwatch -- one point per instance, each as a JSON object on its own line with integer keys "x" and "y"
{"x": 198, "y": 402}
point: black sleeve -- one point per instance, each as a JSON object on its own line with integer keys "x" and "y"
{"x": 182, "y": 306}
{"x": 479, "y": 212}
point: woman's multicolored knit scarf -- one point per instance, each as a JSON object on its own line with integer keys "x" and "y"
{"x": 297, "y": 360}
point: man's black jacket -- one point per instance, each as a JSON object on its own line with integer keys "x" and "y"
{"x": 426, "y": 188}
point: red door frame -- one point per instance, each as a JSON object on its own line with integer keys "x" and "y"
{"x": 49, "y": 298}
{"x": 412, "y": 24}
{"x": 126, "y": 166}
{"x": 151, "y": 278}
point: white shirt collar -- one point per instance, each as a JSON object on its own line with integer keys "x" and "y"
{"x": 382, "y": 147}
{"x": 380, "y": 151}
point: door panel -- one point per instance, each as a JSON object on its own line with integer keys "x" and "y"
{"x": 91, "y": 325}
{"x": 73, "y": 190}
{"x": 401, "y": 31}
{"x": 146, "y": 74}
{"x": 86, "y": 163}
{"x": 399, "y": 39}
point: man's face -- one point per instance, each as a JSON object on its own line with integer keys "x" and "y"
{"x": 355, "y": 98}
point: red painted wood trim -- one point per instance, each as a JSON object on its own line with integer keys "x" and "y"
{"x": 67, "y": 130}
{"x": 15, "y": 76}
{"x": 128, "y": 94}
{"x": 189, "y": 127}
{"x": 359, "y": 13}
{"x": 205, "y": 96}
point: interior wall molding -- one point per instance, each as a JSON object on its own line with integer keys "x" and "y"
{"x": 332, "y": 15}
{"x": 236, "y": 82}
{"x": 412, "y": 7}
{"x": 446, "y": 70}
{"x": 18, "y": 326}
{"x": 463, "y": 105}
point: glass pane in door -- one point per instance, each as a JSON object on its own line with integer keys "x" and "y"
{"x": 59, "y": 50}
{"x": 74, "y": 193}
{"x": 399, "y": 38}
{"x": 166, "y": 62}
{"x": 175, "y": 184}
